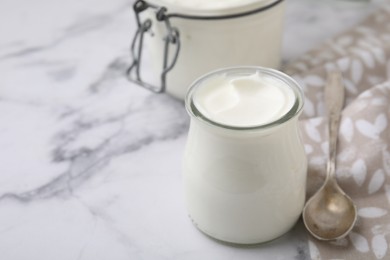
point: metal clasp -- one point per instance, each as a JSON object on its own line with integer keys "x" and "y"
{"x": 172, "y": 38}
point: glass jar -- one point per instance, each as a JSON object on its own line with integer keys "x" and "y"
{"x": 245, "y": 185}
{"x": 183, "y": 43}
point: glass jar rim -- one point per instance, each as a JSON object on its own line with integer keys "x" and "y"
{"x": 294, "y": 111}
{"x": 243, "y": 7}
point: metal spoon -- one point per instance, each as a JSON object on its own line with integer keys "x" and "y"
{"x": 330, "y": 214}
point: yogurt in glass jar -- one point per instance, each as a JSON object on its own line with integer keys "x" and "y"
{"x": 186, "y": 39}
{"x": 244, "y": 164}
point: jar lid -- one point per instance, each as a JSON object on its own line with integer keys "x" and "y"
{"x": 211, "y": 7}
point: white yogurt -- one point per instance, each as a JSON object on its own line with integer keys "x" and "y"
{"x": 245, "y": 100}
{"x": 244, "y": 165}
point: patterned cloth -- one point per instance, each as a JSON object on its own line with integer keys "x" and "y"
{"x": 363, "y": 162}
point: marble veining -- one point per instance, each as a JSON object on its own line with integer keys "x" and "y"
{"x": 91, "y": 164}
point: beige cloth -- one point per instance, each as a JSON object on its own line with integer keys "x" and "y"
{"x": 363, "y": 162}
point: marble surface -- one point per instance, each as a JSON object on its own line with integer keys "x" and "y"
{"x": 90, "y": 164}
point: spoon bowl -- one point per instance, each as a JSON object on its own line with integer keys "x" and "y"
{"x": 330, "y": 214}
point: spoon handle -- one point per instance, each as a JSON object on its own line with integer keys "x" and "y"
{"x": 334, "y": 98}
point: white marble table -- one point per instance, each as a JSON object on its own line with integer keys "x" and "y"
{"x": 90, "y": 164}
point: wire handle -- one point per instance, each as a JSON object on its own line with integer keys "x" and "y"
{"x": 172, "y": 38}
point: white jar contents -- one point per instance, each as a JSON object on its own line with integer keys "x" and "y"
{"x": 245, "y": 166}
{"x": 249, "y": 100}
